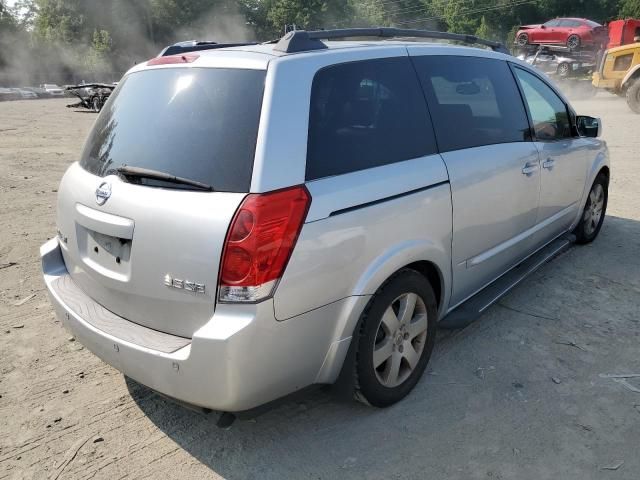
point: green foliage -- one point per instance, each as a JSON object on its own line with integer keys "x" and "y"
{"x": 96, "y": 59}
{"x": 101, "y": 35}
{"x": 630, "y": 8}
{"x": 309, "y": 14}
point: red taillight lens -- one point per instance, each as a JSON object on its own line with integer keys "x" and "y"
{"x": 263, "y": 233}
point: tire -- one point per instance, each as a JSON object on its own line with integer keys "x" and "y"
{"x": 522, "y": 40}
{"x": 564, "y": 70}
{"x": 573, "y": 42}
{"x": 594, "y": 211}
{"x": 402, "y": 344}
{"x": 633, "y": 96}
{"x": 95, "y": 104}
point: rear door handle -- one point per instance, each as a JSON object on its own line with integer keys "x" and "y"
{"x": 549, "y": 163}
{"x": 529, "y": 169}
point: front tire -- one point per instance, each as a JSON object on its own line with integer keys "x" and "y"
{"x": 395, "y": 340}
{"x": 594, "y": 211}
{"x": 633, "y": 96}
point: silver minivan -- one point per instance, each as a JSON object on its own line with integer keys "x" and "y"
{"x": 246, "y": 221}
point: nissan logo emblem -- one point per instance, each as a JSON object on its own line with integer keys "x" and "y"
{"x": 103, "y": 192}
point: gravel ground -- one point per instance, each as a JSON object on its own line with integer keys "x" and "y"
{"x": 518, "y": 394}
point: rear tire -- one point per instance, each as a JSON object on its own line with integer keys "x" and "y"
{"x": 522, "y": 40}
{"x": 633, "y": 96}
{"x": 395, "y": 340}
{"x": 594, "y": 211}
{"x": 573, "y": 42}
{"x": 95, "y": 104}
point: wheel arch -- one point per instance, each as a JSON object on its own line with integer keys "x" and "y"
{"x": 599, "y": 165}
{"x": 631, "y": 75}
{"x": 340, "y": 370}
{"x": 424, "y": 256}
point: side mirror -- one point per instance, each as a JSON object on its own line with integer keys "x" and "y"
{"x": 589, "y": 126}
{"x": 543, "y": 26}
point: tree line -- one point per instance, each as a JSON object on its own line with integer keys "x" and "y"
{"x": 68, "y": 39}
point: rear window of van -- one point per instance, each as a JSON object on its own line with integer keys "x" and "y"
{"x": 195, "y": 123}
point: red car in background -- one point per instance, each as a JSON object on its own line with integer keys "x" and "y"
{"x": 572, "y": 32}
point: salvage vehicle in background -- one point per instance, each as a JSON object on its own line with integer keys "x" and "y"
{"x": 623, "y": 32}
{"x": 9, "y": 94}
{"x": 53, "y": 89}
{"x": 38, "y": 91}
{"x": 571, "y": 32}
{"x": 552, "y": 60}
{"x": 92, "y": 96}
{"x": 24, "y": 93}
{"x": 619, "y": 73}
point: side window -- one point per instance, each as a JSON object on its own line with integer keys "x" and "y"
{"x": 473, "y": 101}
{"x": 365, "y": 114}
{"x": 548, "y": 111}
{"x": 623, "y": 63}
{"x": 552, "y": 23}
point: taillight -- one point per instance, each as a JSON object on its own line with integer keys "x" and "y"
{"x": 259, "y": 243}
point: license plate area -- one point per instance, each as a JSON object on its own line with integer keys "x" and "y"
{"x": 105, "y": 254}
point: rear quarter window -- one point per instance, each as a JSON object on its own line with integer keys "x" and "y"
{"x": 196, "y": 123}
{"x": 366, "y": 114}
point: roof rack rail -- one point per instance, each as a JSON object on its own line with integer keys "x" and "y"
{"x": 302, "y": 40}
{"x": 194, "y": 46}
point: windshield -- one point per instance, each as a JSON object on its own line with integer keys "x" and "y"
{"x": 196, "y": 123}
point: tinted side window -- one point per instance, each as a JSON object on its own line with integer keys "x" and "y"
{"x": 548, "y": 111}
{"x": 473, "y": 101}
{"x": 366, "y": 114}
{"x": 552, "y": 23}
{"x": 570, "y": 23}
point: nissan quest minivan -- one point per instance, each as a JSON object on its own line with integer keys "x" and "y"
{"x": 246, "y": 221}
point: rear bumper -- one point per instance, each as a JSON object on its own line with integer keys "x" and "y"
{"x": 242, "y": 358}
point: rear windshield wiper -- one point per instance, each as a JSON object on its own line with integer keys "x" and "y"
{"x": 138, "y": 172}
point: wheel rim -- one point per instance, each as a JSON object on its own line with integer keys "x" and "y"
{"x": 523, "y": 40}
{"x": 573, "y": 41}
{"x": 400, "y": 340}
{"x": 563, "y": 69}
{"x": 594, "y": 209}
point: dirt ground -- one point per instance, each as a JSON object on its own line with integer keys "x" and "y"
{"x": 518, "y": 394}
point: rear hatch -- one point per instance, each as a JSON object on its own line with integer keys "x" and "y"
{"x": 145, "y": 247}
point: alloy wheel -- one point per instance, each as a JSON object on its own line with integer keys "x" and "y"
{"x": 563, "y": 69}
{"x": 594, "y": 209}
{"x": 400, "y": 339}
{"x": 573, "y": 41}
